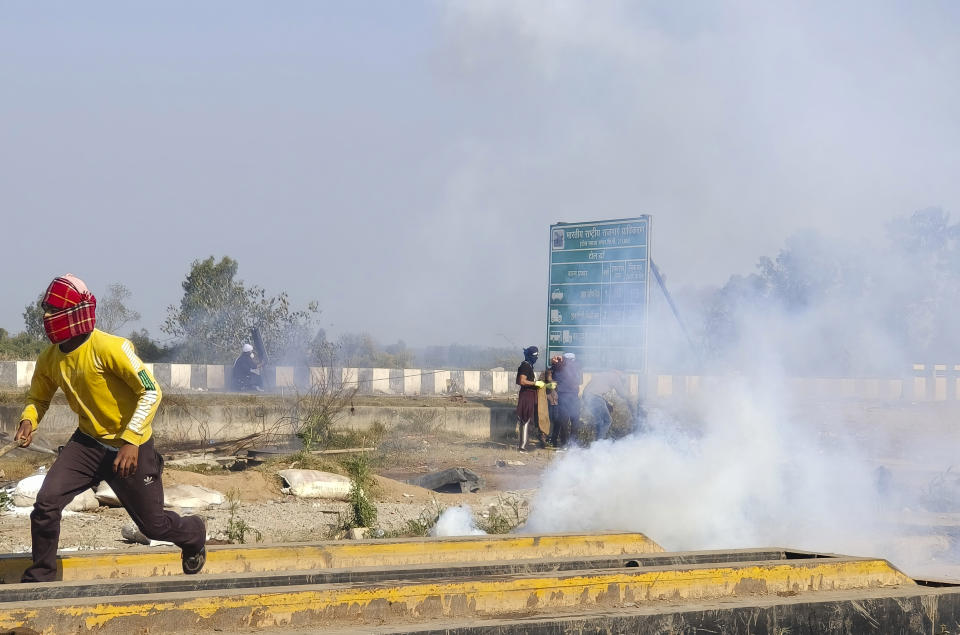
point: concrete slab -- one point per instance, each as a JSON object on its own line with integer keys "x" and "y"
{"x": 306, "y": 556}
{"x": 487, "y": 597}
{"x": 908, "y": 610}
{"x": 206, "y": 582}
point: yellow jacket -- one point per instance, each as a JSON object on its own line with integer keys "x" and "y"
{"x": 105, "y": 383}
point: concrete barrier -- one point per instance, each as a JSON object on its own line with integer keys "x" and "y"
{"x": 211, "y": 417}
{"x": 226, "y": 559}
{"x": 924, "y": 382}
{"x": 476, "y": 597}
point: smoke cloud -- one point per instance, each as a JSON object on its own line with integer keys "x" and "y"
{"x": 748, "y": 462}
{"x": 456, "y": 521}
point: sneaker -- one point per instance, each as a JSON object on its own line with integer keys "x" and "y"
{"x": 194, "y": 564}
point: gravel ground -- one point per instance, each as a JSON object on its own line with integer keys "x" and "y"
{"x": 276, "y": 517}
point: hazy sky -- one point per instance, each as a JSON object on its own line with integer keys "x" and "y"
{"x": 401, "y": 162}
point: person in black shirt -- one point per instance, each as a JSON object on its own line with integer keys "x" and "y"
{"x": 527, "y": 399}
{"x": 568, "y": 377}
{"x": 559, "y": 433}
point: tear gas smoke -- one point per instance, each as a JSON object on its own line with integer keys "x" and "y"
{"x": 751, "y": 474}
{"x": 758, "y": 465}
{"x": 456, "y": 521}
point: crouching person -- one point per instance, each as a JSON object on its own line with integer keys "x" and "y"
{"x": 116, "y": 399}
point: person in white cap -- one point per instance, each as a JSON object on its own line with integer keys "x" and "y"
{"x": 246, "y": 371}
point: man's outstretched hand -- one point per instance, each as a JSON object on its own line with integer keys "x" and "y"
{"x": 24, "y": 436}
{"x": 126, "y": 462}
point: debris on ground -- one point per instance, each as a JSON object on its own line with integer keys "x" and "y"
{"x": 315, "y": 484}
{"x": 207, "y": 461}
{"x": 106, "y": 496}
{"x": 191, "y": 497}
{"x": 454, "y": 479}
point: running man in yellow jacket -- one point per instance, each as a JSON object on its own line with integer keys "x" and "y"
{"x": 116, "y": 398}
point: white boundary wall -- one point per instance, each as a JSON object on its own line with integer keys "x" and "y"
{"x": 924, "y": 382}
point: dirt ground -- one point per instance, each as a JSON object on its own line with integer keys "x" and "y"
{"x": 509, "y": 483}
{"x": 914, "y": 442}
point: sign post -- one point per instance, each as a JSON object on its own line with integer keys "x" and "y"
{"x": 599, "y": 292}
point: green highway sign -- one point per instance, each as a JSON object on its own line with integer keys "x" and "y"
{"x": 599, "y": 291}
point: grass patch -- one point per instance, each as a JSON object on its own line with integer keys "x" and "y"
{"x": 420, "y": 421}
{"x": 209, "y": 470}
{"x": 342, "y": 438}
{"x": 363, "y": 511}
{"x": 504, "y": 517}
{"x": 421, "y": 525}
{"x": 302, "y": 460}
{"x": 16, "y": 468}
{"x": 238, "y": 528}
{"x": 13, "y": 397}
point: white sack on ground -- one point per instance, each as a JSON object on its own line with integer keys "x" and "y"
{"x": 25, "y": 495}
{"x": 85, "y": 501}
{"x": 106, "y": 496}
{"x": 193, "y": 496}
{"x": 316, "y": 484}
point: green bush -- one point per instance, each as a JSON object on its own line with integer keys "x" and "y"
{"x": 237, "y": 528}
{"x": 364, "y": 512}
{"x": 502, "y": 518}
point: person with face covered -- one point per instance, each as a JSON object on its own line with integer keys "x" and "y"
{"x": 115, "y": 397}
{"x": 527, "y": 399}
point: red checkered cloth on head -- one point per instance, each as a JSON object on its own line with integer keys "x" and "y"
{"x": 78, "y": 309}
{"x": 66, "y": 291}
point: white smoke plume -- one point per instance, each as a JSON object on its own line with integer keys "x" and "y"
{"x": 456, "y": 521}
{"x": 752, "y": 466}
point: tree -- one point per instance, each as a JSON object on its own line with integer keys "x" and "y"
{"x": 147, "y": 349}
{"x": 357, "y": 350}
{"x": 216, "y": 313}
{"x": 20, "y": 346}
{"x": 926, "y": 231}
{"x": 33, "y": 319}
{"x": 925, "y": 251}
{"x": 112, "y": 311}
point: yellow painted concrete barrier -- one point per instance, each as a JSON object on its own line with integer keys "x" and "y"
{"x": 222, "y": 559}
{"x": 398, "y": 602}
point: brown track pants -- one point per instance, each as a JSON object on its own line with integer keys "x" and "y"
{"x": 82, "y": 464}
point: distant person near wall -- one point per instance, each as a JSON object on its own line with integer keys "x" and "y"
{"x": 116, "y": 398}
{"x": 559, "y": 433}
{"x": 527, "y": 399}
{"x": 247, "y": 371}
{"x": 568, "y": 378}
{"x": 596, "y": 398}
